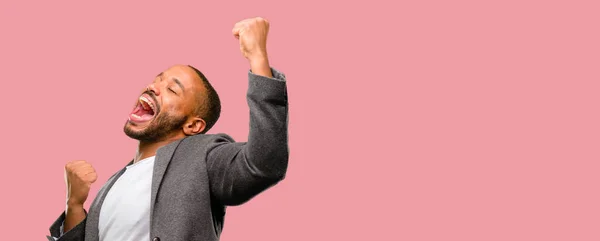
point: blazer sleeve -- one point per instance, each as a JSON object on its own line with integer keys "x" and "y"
{"x": 239, "y": 171}
{"x": 77, "y": 233}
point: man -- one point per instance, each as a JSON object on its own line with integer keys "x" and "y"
{"x": 181, "y": 179}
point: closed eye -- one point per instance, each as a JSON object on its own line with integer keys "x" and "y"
{"x": 172, "y": 91}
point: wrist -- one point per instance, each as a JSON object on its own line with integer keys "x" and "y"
{"x": 259, "y": 65}
{"x": 73, "y": 204}
{"x": 257, "y": 55}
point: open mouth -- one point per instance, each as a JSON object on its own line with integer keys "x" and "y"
{"x": 144, "y": 110}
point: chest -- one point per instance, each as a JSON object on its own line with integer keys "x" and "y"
{"x": 126, "y": 207}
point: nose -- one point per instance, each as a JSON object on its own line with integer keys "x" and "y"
{"x": 152, "y": 87}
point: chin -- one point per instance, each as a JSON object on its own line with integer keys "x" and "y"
{"x": 134, "y": 130}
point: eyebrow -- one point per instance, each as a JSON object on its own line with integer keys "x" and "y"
{"x": 179, "y": 83}
{"x": 174, "y": 79}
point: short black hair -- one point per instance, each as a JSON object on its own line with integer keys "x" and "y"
{"x": 209, "y": 108}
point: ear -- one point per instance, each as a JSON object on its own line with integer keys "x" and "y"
{"x": 194, "y": 126}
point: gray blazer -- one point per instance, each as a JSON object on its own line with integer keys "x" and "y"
{"x": 196, "y": 177}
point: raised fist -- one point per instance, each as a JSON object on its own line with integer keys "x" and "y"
{"x": 79, "y": 176}
{"x": 252, "y": 34}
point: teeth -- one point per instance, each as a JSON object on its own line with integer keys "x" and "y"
{"x": 144, "y": 99}
{"x": 136, "y": 116}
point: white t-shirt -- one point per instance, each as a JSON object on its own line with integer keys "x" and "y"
{"x": 125, "y": 213}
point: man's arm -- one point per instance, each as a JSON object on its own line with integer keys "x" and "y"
{"x": 59, "y": 233}
{"x": 239, "y": 171}
{"x": 75, "y": 214}
{"x": 259, "y": 65}
{"x": 79, "y": 176}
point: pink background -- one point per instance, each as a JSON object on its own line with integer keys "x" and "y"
{"x": 421, "y": 120}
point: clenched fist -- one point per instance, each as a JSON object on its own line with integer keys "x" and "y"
{"x": 252, "y": 34}
{"x": 79, "y": 176}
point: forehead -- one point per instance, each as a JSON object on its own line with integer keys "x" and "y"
{"x": 185, "y": 75}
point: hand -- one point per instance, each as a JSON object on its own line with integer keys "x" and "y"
{"x": 79, "y": 176}
{"x": 252, "y": 34}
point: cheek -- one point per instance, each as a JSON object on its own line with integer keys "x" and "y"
{"x": 173, "y": 107}
{"x": 186, "y": 106}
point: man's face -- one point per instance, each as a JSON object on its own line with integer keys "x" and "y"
{"x": 165, "y": 106}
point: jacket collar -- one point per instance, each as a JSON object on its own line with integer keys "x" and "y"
{"x": 161, "y": 162}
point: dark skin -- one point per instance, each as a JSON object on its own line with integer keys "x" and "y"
{"x": 175, "y": 90}
{"x": 175, "y": 102}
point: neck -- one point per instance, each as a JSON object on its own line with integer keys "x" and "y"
{"x": 148, "y": 149}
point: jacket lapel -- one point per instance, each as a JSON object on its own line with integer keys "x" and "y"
{"x": 161, "y": 162}
{"x": 93, "y": 217}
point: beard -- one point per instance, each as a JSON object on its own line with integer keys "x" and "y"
{"x": 159, "y": 129}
